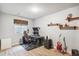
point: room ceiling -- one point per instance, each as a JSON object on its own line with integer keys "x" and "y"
{"x": 34, "y": 10}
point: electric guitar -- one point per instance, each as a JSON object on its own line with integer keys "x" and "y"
{"x": 65, "y": 46}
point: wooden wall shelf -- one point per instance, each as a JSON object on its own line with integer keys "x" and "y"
{"x": 69, "y": 28}
{"x": 72, "y": 18}
{"x": 65, "y": 27}
{"x": 54, "y": 24}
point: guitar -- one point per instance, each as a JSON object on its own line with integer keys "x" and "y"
{"x": 59, "y": 46}
{"x": 65, "y": 46}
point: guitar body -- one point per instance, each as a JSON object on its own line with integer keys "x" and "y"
{"x": 59, "y": 46}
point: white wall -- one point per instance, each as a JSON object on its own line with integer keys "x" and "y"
{"x": 71, "y": 36}
{"x": 7, "y": 28}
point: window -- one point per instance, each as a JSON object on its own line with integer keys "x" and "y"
{"x": 20, "y": 25}
{"x": 20, "y": 28}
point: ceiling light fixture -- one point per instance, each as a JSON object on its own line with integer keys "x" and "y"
{"x": 35, "y": 9}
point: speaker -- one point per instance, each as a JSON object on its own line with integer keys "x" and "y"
{"x": 48, "y": 44}
{"x": 75, "y": 52}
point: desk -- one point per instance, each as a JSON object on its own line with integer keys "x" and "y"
{"x": 39, "y": 40}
